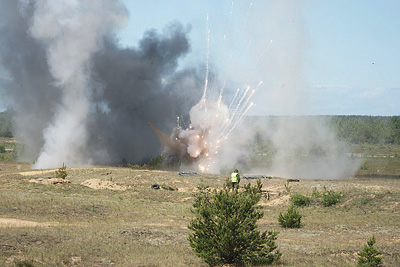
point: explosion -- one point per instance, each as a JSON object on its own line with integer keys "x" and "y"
{"x": 81, "y": 98}
{"x": 211, "y": 123}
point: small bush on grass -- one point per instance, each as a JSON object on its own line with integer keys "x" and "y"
{"x": 330, "y": 198}
{"x": 287, "y": 186}
{"x": 157, "y": 162}
{"x": 327, "y": 197}
{"x": 225, "y": 230}
{"x": 369, "y": 256}
{"x": 62, "y": 172}
{"x": 135, "y": 166}
{"x": 145, "y": 166}
{"x": 291, "y": 219}
{"x": 24, "y": 264}
{"x": 300, "y": 200}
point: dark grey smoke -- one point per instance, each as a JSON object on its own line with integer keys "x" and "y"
{"x": 140, "y": 86}
{"x": 129, "y": 88}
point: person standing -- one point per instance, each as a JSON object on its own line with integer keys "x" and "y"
{"x": 235, "y": 178}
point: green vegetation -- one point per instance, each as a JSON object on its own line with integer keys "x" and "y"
{"x": 82, "y": 226}
{"x": 62, "y": 172}
{"x": 145, "y": 166}
{"x": 156, "y": 163}
{"x": 373, "y": 140}
{"x": 300, "y": 200}
{"x": 75, "y": 225}
{"x": 327, "y": 197}
{"x": 291, "y": 219}
{"x": 330, "y": 198}
{"x": 287, "y": 186}
{"x": 367, "y": 129}
{"x": 8, "y": 149}
{"x": 6, "y": 123}
{"x": 225, "y": 230}
{"x": 369, "y": 256}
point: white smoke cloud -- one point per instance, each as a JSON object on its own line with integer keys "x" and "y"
{"x": 72, "y": 32}
{"x": 78, "y": 96}
{"x": 82, "y": 104}
{"x": 303, "y": 147}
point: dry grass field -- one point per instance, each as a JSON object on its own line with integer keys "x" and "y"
{"x": 110, "y": 216}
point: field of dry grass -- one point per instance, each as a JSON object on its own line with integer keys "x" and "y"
{"x": 109, "y": 216}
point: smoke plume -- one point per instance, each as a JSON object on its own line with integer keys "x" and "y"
{"x": 288, "y": 146}
{"x": 78, "y": 96}
{"x": 81, "y": 99}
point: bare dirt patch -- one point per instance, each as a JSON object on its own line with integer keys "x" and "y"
{"x": 101, "y": 184}
{"x": 50, "y": 181}
{"x": 38, "y": 173}
{"x": 278, "y": 200}
{"x": 10, "y": 222}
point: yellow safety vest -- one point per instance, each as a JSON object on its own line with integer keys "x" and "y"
{"x": 234, "y": 177}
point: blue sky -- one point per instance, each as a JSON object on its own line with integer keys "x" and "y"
{"x": 330, "y": 57}
{"x": 315, "y": 57}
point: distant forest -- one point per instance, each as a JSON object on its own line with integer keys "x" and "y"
{"x": 353, "y": 129}
{"x": 367, "y": 129}
{"x": 6, "y": 123}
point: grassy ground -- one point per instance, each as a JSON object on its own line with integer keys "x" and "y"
{"x": 10, "y": 146}
{"x": 121, "y": 221}
{"x": 379, "y": 160}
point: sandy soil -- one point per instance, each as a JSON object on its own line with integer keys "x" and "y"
{"x": 50, "y": 181}
{"x": 101, "y": 184}
{"x": 40, "y": 172}
{"x": 10, "y": 222}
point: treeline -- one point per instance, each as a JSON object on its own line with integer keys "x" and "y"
{"x": 6, "y": 123}
{"x": 367, "y": 129}
{"x": 353, "y": 129}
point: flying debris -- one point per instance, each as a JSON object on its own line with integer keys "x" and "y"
{"x": 211, "y": 124}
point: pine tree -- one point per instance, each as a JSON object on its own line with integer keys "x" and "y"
{"x": 225, "y": 229}
{"x": 62, "y": 172}
{"x": 369, "y": 256}
{"x": 291, "y": 219}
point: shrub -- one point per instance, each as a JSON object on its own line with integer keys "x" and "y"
{"x": 2, "y": 149}
{"x": 300, "y": 200}
{"x": 62, "y": 172}
{"x": 145, "y": 166}
{"x": 225, "y": 230}
{"x": 291, "y": 219}
{"x": 315, "y": 194}
{"x": 136, "y": 166}
{"x": 287, "y": 186}
{"x": 24, "y": 264}
{"x": 327, "y": 197}
{"x": 157, "y": 162}
{"x": 369, "y": 256}
{"x": 364, "y": 166}
{"x": 330, "y": 198}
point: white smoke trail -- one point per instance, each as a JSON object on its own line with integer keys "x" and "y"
{"x": 207, "y": 63}
{"x": 72, "y": 31}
